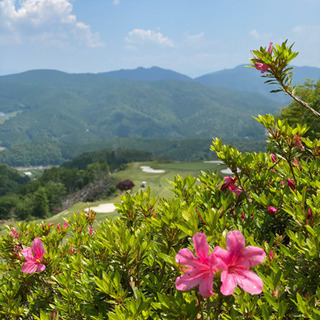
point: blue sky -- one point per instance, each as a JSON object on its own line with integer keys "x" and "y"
{"x": 193, "y": 37}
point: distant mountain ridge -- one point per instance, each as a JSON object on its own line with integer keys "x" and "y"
{"x": 147, "y": 74}
{"x": 42, "y": 106}
{"x": 49, "y": 104}
{"x": 240, "y": 78}
{"x": 248, "y": 79}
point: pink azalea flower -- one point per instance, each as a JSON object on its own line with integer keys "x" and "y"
{"x": 14, "y": 233}
{"x": 272, "y": 209}
{"x": 200, "y": 270}
{"x": 230, "y": 184}
{"x": 291, "y": 184}
{"x": 262, "y": 66}
{"x": 33, "y": 257}
{"x": 238, "y": 259}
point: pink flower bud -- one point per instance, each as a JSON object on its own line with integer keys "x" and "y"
{"x": 242, "y": 216}
{"x": 271, "y": 256}
{"x": 65, "y": 225}
{"x": 90, "y": 230}
{"x": 291, "y": 184}
{"x": 50, "y": 224}
{"x": 59, "y": 227}
{"x": 273, "y": 158}
{"x": 309, "y": 215}
{"x": 298, "y": 143}
{"x": 272, "y": 209}
{"x": 262, "y": 66}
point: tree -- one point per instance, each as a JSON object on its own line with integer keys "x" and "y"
{"x": 41, "y": 203}
{"x": 125, "y": 185}
{"x": 309, "y": 92}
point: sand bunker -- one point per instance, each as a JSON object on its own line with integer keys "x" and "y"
{"x": 213, "y": 161}
{"x": 103, "y": 208}
{"x": 150, "y": 170}
{"x": 228, "y": 171}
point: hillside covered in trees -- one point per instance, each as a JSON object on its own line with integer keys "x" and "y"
{"x": 46, "y": 115}
{"x": 86, "y": 178}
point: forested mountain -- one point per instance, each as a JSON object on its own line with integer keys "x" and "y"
{"x": 246, "y": 79}
{"x": 147, "y": 74}
{"x": 48, "y": 106}
{"x": 54, "y": 114}
{"x": 240, "y": 78}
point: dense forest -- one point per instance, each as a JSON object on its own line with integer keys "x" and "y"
{"x": 86, "y": 178}
{"x": 55, "y": 153}
{"x": 48, "y": 117}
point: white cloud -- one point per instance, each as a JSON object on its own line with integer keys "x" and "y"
{"x": 50, "y": 20}
{"x": 196, "y": 41}
{"x": 307, "y": 42}
{"x": 116, "y": 2}
{"x": 140, "y": 37}
{"x": 255, "y": 34}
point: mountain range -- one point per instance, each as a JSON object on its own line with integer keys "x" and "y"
{"x": 241, "y": 78}
{"x": 79, "y": 109}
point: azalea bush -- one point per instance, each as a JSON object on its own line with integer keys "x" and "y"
{"x": 244, "y": 246}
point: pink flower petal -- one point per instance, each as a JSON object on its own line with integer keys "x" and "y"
{"x": 29, "y": 266}
{"x": 205, "y": 287}
{"x": 222, "y": 254}
{"x": 38, "y": 249}
{"x": 251, "y": 256}
{"x": 185, "y": 282}
{"x": 229, "y": 180}
{"x": 40, "y": 267}
{"x": 228, "y": 283}
{"x": 27, "y": 253}
{"x": 248, "y": 280}
{"x": 201, "y": 246}
{"x": 185, "y": 257}
{"x": 235, "y": 242}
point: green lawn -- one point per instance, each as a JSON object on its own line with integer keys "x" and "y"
{"x": 159, "y": 184}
